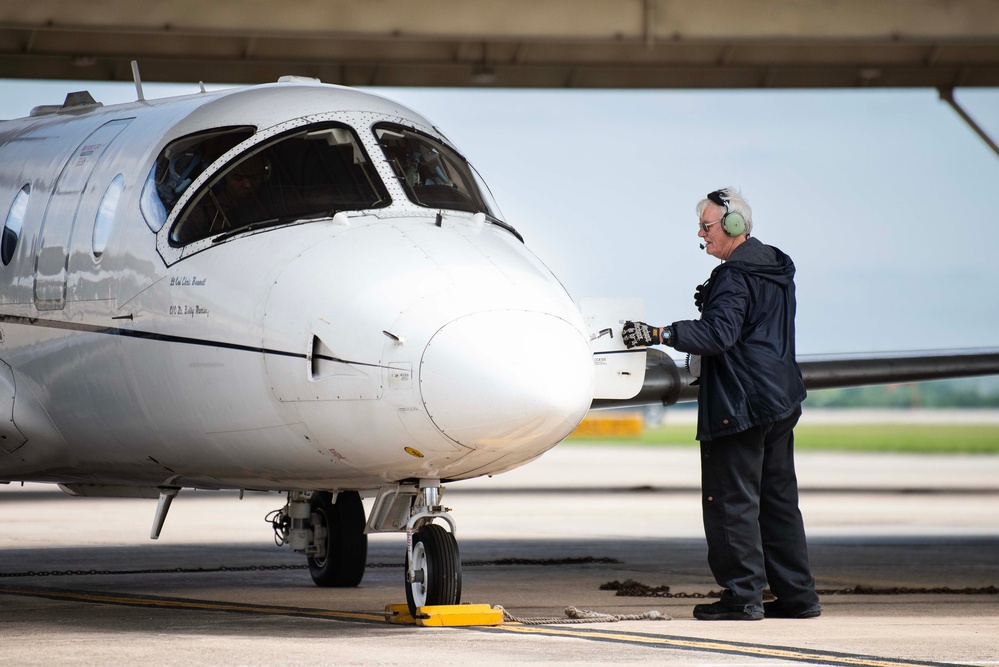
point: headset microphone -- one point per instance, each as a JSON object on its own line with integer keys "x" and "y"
{"x": 702, "y": 246}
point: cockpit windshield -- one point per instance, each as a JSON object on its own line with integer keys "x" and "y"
{"x": 433, "y": 174}
{"x": 311, "y": 172}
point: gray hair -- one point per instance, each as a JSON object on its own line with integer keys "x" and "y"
{"x": 736, "y": 204}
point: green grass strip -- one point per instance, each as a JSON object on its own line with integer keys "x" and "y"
{"x": 913, "y": 438}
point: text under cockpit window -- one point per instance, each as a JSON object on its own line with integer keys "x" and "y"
{"x": 433, "y": 174}
{"x": 309, "y": 173}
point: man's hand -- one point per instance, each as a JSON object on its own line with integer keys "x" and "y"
{"x": 635, "y": 334}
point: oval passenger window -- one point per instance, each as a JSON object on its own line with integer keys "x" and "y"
{"x": 105, "y": 215}
{"x": 12, "y": 226}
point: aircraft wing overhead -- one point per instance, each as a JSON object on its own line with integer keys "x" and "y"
{"x": 667, "y": 381}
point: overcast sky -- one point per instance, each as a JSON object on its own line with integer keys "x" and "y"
{"x": 885, "y": 199}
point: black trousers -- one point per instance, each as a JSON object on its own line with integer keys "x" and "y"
{"x": 752, "y": 522}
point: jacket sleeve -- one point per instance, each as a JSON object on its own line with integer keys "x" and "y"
{"x": 722, "y": 320}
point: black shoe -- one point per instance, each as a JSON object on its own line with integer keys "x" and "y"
{"x": 718, "y": 611}
{"x": 775, "y": 610}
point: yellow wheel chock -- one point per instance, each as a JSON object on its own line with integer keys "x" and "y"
{"x": 446, "y": 615}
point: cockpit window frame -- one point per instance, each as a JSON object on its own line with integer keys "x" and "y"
{"x": 171, "y": 252}
{"x": 435, "y": 177}
{"x": 177, "y": 167}
{"x": 323, "y": 169}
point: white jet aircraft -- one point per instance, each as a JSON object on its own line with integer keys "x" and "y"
{"x": 298, "y": 288}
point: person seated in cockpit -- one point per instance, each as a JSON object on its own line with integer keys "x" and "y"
{"x": 235, "y": 201}
{"x": 415, "y": 163}
{"x": 425, "y": 167}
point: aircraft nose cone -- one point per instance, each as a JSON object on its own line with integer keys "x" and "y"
{"x": 501, "y": 379}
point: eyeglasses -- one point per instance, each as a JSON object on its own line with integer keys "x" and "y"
{"x": 704, "y": 225}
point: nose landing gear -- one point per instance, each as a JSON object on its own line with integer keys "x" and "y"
{"x": 333, "y": 535}
{"x": 433, "y": 564}
{"x": 433, "y": 569}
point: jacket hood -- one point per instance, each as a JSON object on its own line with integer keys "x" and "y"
{"x": 762, "y": 261}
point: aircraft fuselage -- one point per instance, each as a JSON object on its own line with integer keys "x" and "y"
{"x": 368, "y": 320}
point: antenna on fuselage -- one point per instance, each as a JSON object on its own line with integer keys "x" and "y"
{"x": 138, "y": 80}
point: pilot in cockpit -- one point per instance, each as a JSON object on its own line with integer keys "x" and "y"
{"x": 416, "y": 163}
{"x": 426, "y": 168}
{"x": 235, "y": 201}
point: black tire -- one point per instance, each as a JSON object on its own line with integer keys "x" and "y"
{"x": 435, "y": 552}
{"x": 342, "y": 565}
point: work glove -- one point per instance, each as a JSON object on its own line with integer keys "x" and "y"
{"x": 635, "y": 334}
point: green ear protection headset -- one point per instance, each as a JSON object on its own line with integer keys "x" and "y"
{"x": 732, "y": 222}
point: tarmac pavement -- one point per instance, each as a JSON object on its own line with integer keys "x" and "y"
{"x": 81, "y": 583}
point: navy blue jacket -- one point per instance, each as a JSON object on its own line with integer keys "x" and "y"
{"x": 749, "y": 376}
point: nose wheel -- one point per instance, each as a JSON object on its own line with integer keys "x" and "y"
{"x": 433, "y": 575}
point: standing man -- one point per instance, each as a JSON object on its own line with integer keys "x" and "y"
{"x": 748, "y": 404}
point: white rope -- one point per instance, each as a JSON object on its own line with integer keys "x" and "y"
{"x": 576, "y": 615}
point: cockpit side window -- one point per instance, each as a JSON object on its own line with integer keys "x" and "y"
{"x": 311, "y": 172}
{"x": 433, "y": 174}
{"x": 179, "y": 164}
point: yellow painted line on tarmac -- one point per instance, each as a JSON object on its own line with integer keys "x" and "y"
{"x": 176, "y": 603}
{"x": 714, "y": 646}
{"x": 650, "y": 640}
